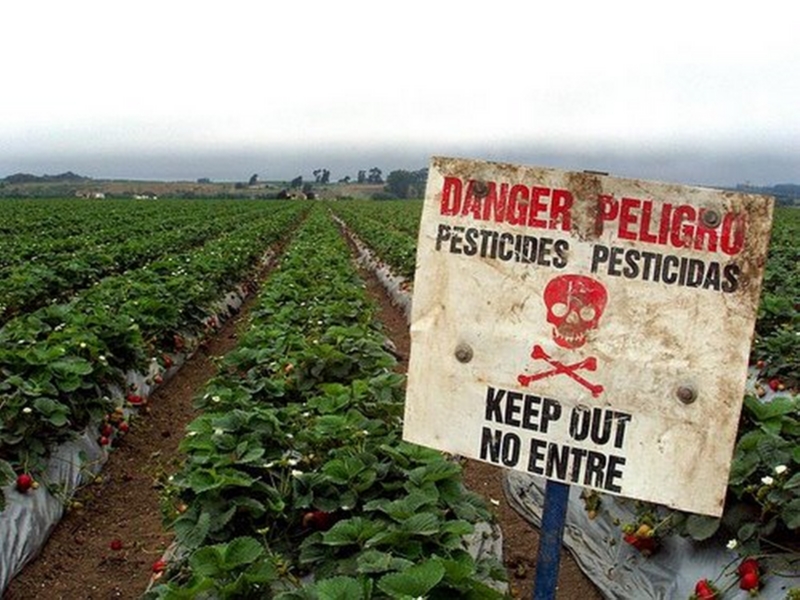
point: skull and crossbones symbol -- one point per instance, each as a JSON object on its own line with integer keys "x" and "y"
{"x": 575, "y": 304}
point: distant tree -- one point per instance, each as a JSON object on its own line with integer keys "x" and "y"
{"x": 362, "y": 177}
{"x": 322, "y": 176}
{"x": 253, "y": 179}
{"x": 308, "y": 189}
{"x": 406, "y": 184}
{"x": 239, "y": 185}
{"x": 296, "y": 182}
{"x": 203, "y": 180}
{"x": 345, "y": 179}
{"x": 375, "y": 175}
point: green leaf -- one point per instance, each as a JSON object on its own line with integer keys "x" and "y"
{"x": 192, "y": 533}
{"x": 433, "y": 472}
{"x": 792, "y": 482}
{"x": 242, "y": 551}
{"x": 340, "y": 588}
{"x": 701, "y": 527}
{"x": 762, "y": 411}
{"x": 458, "y": 527}
{"x": 791, "y": 514}
{"x": 416, "y": 582}
{"x": 351, "y": 531}
{"x": 747, "y": 531}
{"x": 7, "y": 474}
{"x": 207, "y": 561}
{"x": 458, "y": 571}
{"x": 402, "y": 508}
{"x": 251, "y": 455}
{"x": 375, "y": 561}
{"x": 70, "y": 366}
{"x": 422, "y": 524}
{"x": 262, "y": 571}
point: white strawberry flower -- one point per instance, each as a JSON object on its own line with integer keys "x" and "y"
{"x": 767, "y": 480}
{"x": 732, "y": 544}
{"x": 780, "y": 469}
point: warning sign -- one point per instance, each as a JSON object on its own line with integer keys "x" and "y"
{"x": 589, "y": 329}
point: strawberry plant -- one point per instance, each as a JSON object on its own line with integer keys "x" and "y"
{"x": 299, "y": 447}
{"x": 61, "y": 362}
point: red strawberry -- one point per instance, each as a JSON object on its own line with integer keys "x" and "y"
{"x": 159, "y": 566}
{"x": 24, "y": 483}
{"x": 645, "y": 545}
{"x": 158, "y": 380}
{"x": 704, "y": 590}
{"x": 774, "y": 384}
{"x": 104, "y": 441}
{"x": 134, "y": 399}
{"x": 167, "y": 360}
{"x": 124, "y": 427}
{"x": 107, "y": 430}
{"x": 318, "y": 519}
{"x": 749, "y": 581}
{"x": 116, "y": 545}
{"x": 748, "y": 565}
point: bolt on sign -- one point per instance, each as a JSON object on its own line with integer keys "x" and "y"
{"x": 588, "y": 329}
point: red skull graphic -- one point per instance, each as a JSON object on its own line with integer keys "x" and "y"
{"x": 574, "y": 306}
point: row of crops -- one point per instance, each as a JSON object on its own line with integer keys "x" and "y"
{"x": 297, "y": 484}
{"x": 61, "y": 352}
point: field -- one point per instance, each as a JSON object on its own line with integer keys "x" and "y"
{"x": 293, "y": 464}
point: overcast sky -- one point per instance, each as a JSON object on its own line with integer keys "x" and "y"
{"x": 694, "y": 91}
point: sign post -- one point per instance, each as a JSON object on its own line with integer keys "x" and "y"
{"x": 548, "y": 562}
{"x": 587, "y": 329}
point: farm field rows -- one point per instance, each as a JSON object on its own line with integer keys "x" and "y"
{"x": 59, "y": 360}
{"x": 296, "y": 465}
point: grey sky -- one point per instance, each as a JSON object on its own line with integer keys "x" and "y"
{"x": 693, "y": 92}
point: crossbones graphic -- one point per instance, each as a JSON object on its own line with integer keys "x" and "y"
{"x": 559, "y": 368}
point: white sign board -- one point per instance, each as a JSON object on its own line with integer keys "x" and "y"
{"x": 589, "y": 329}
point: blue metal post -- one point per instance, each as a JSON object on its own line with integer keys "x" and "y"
{"x": 554, "y": 514}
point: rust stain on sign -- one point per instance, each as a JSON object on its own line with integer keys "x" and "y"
{"x": 587, "y": 188}
{"x": 585, "y": 328}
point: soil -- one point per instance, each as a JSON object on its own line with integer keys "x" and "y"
{"x": 78, "y": 561}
